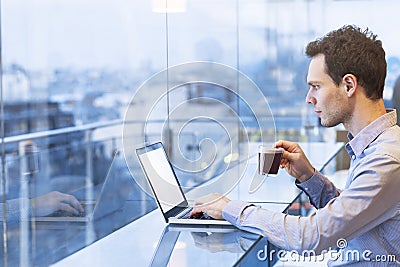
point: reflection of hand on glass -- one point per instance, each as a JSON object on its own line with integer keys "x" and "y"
{"x": 55, "y": 201}
{"x": 40, "y": 206}
{"x": 234, "y": 241}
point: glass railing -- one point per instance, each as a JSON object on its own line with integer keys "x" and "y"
{"x": 84, "y": 161}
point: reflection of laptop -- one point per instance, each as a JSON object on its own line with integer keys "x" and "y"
{"x": 166, "y": 188}
{"x": 164, "y": 249}
{"x": 111, "y": 198}
{"x": 226, "y": 239}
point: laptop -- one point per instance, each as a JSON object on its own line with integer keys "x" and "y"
{"x": 166, "y": 188}
{"x": 111, "y": 198}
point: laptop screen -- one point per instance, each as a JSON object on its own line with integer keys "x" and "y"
{"x": 161, "y": 176}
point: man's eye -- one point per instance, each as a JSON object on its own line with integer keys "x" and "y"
{"x": 315, "y": 86}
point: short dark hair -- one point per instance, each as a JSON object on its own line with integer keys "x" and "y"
{"x": 350, "y": 50}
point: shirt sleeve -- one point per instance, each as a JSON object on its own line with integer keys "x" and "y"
{"x": 371, "y": 199}
{"x": 14, "y": 209}
{"x": 319, "y": 189}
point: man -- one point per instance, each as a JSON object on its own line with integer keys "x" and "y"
{"x": 346, "y": 77}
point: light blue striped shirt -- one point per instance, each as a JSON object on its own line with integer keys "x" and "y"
{"x": 14, "y": 209}
{"x": 365, "y": 215}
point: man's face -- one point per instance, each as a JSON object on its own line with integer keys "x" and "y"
{"x": 330, "y": 101}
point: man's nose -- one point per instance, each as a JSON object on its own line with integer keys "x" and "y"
{"x": 310, "y": 99}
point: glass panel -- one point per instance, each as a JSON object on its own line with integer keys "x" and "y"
{"x": 203, "y": 113}
{"x": 70, "y": 69}
{"x": 84, "y": 79}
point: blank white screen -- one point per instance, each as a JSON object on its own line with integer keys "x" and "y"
{"x": 162, "y": 179}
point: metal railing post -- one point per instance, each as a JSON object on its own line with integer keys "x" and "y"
{"x": 90, "y": 236}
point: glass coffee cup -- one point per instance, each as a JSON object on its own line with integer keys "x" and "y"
{"x": 269, "y": 159}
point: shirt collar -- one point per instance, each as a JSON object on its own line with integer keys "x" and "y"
{"x": 365, "y": 137}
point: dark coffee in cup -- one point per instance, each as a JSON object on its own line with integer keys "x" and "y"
{"x": 269, "y": 160}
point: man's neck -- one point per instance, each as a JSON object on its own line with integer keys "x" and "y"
{"x": 364, "y": 113}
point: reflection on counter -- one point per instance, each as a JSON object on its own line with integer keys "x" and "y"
{"x": 192, "y": 246}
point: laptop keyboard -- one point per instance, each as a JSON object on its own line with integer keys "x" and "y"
{"x": 62, "y": 213}
{"x": 201, "y": 216}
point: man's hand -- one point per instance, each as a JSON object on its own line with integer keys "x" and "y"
{"x": 54, "y": 201}
{"x": 211, "y": 204}
{"x": 295, "y": 161}
{"x": 212, "y": 242}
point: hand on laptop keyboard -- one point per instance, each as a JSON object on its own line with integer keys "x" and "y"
{"x": 55, "y": 201}
{"x": 63, "y": 213}
{"x": 86, "y": 209}
{"x": 201, "y": 215}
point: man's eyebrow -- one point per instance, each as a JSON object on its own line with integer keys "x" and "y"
{"x": 311, "y": 82}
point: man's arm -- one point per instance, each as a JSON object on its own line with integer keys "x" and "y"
{"x": 14, "y": 208}
{"x": 371, "y": 199}
{"x": 317, "y": 187}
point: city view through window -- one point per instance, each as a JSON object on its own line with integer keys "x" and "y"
{"x": 74, "y": 75}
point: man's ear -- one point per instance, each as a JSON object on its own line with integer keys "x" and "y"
{"x": 350, "y": 84}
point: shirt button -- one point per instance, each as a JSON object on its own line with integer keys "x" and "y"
{"x": 353, "y": 157}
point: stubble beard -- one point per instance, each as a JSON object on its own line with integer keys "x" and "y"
{"x": 335, "y": 117}
{"x": 337, "y": 112}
